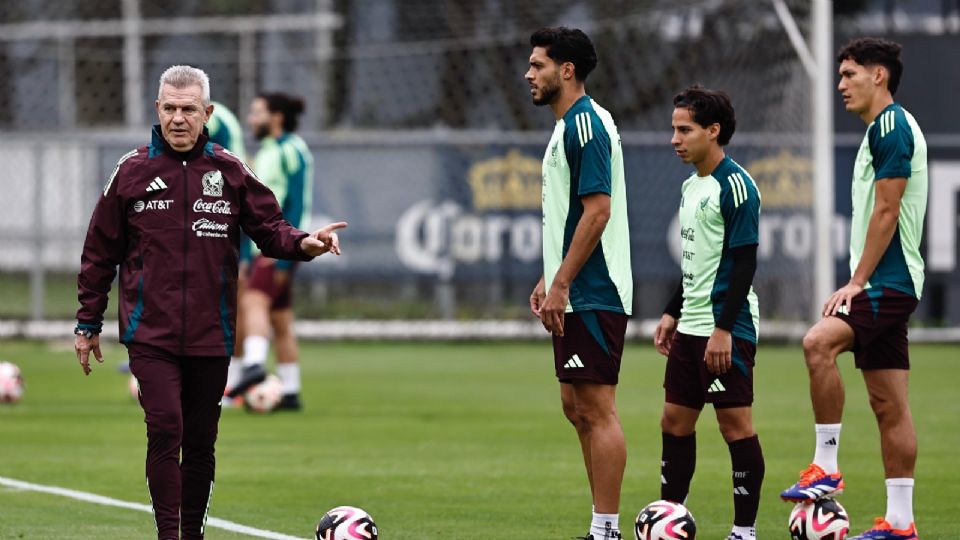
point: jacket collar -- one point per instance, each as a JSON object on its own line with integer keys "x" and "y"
{"x": 159, "y": 145}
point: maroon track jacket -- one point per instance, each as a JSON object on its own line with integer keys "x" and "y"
{"x": 172, "y": 222}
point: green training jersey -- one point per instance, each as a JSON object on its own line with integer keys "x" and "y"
{"x": 893, "y": 147}
{"x": 285, "y": 165}
{"x": 718, "y": 212}
{"x": 584, "y": 157}
{"x": 224, "y": 129}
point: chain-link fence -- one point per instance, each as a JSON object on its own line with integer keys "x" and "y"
{"x": 422, "y": 130}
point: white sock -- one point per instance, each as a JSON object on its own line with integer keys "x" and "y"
{"x": 234, "y": 371}
{"x": 899, "y": 502}
{"x": 828, "y": 442}
{"x": 599, "y": 525}
{"x": 289, "y": 374}
{"x": 747, "y": 533}
{"x": 255, "y": 350}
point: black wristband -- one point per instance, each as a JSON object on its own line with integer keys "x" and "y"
{"x": 88, "y": 330}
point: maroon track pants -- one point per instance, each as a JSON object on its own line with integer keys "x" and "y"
{"x": 180, "y": 396}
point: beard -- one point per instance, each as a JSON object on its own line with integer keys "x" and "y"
{"x": 261, "y": 132}
{"x": 548, "y": 93}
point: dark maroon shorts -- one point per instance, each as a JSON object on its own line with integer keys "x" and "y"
{"x": 688, "y": 383}
{"x": 879, "y": 321}
{"x": 261, "y": 279}
{"x": 591, "y": 347}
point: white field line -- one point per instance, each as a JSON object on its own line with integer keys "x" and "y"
{"x": 107, "y": 501}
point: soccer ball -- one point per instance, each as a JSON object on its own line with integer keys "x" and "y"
{"x": 346, "y": 523}
{"x": 823, "y": 519}
{"x": 665, "y": 520}
{"x": 264, "y": 397}
{"x": 11, "y": 383}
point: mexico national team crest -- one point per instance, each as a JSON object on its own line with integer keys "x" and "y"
{"x": 553, "y": 154}
{"x": 701, "y": 212}
{"x": 213, "y": 184}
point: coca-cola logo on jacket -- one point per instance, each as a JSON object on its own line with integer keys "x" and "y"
{"x": 216, "y": 207}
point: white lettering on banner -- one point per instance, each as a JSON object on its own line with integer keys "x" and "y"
{"x": 217, "y": 207}
{"x": 942, "y": 217}
{"x": 790, "y": 235}
{"x": 433, "y": 237}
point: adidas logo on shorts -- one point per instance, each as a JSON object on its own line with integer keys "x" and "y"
{"x": 716, "y": 387}
{"x": 573, "y": 362}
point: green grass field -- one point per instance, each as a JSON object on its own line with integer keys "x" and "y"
{"x": 445, "y": 441}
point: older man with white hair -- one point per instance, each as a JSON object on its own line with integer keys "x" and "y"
{"x": 170, "y": 217}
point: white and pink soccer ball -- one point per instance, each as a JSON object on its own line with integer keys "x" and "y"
{"x": 665, "y": 520}
{"x": 264, "y": 397}
{"x": 823, "y": 519}
{"x": 11, "y": 383}
{"x": 346, "y": 523}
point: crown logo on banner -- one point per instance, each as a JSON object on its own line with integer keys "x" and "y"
{"x": 784, "y": 180}
{"x": 510, "y": 182}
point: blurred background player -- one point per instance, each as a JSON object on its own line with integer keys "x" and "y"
{"x": 285, "y": 165}
{"x": 710, "y": 351}
{"x": 586, "y": 292}
{"x": 224, "y": 129}
{"x": 869, "y": 315}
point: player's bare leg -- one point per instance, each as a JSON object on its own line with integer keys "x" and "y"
{"x": 288, "y": 357}
{"x": 821, "y": 346}
{"x": 597, "y": 412}
{"x": 898, "y": 439}
{"x": 255, "y": 305}
{"x": 678, "y": 420}
{"x": 748, "y": 468}
{"x": 568, "y": 401}
{"x": 594, "y": 415}
{"x": 888, "y": 392}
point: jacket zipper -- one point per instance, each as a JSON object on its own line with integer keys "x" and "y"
{"x": 186, "y": 236}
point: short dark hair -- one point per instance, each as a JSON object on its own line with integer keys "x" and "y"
{"x": 870, "y": 51}
{"x": 567, "y": 45}
{"x": 289, "y": 106}
{"x": 708, "y": 107}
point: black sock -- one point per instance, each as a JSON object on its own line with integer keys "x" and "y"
{"x": 747, "y": 460}
{"x": 677, "y": 462}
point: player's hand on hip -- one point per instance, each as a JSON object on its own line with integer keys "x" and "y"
{"x": 554, "y": 308}
{"x": 537, "y": 297}
{"x": 663, "y": 335}
{"x": 323, "y": 240}
{"x": 84, "y": 347}
{"x": 719, "y": 353}
{"x": 842, "y": 300}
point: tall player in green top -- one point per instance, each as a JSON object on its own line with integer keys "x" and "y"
{"x": 708, "y": 331}
{"x": 586, "y": 292}
{"x": 869, "y": 314}
{"x": 285, "y": 165}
